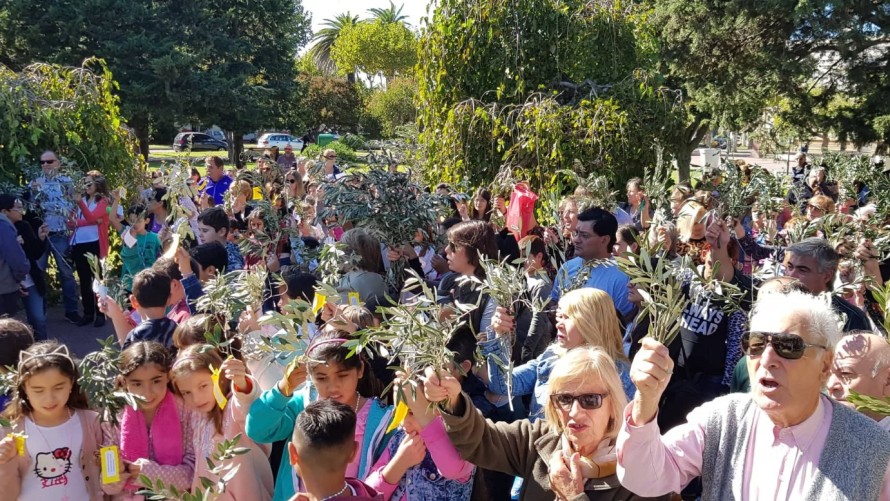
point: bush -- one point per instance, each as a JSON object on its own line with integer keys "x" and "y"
{"x": 344, "y": 152}
{"x": 394, "y": 106}
{"x": 354, "y": 141}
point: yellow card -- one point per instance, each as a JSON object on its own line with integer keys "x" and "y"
{"x": 257, "y": 193}
{"x": 318, "y": 303}
{"x": 221, "y": 399}
{"x": 398, "y": 416}
{"x": 174, "y": 246}
{"x": 19, "y": 439}
{"x": 354, "y": 298}
{"x": 110, "y": 460}
{"x": 291, "y": 367}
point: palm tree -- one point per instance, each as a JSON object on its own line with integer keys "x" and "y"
{"x": 390, "y": 15}
{"x": 324, "y": 39}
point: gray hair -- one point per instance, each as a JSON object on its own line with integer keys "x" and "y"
{"x": 818, "y": 249}
{"x": 815, "y": 311}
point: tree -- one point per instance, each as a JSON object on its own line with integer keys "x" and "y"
{"x": 72, "y": 111}
{"x": 533, "y": 87}
{"x": 205, "y": 61}
{"x": 731, "y": 65}
{"x": 394, "y": 106}
{"x": 324, "y": 39}
{"x": 248, "y": 65}
{"x": 389, "y": 15}
{"x": 331, "y": 102}
{"x": 375, "y": 48}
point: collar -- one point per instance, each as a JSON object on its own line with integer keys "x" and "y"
{"x": 885, "y": 423}
{"x": 802, "y": 435}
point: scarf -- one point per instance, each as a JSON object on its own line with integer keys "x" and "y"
{"x": 136, "y": 439}
{"x": 602, "y": 463}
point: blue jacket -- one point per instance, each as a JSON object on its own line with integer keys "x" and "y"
{"x": 14, "y": 264}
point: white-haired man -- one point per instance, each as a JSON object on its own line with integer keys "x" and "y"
{"x": 862, "y": 364}
{"x": 784, "y": 440}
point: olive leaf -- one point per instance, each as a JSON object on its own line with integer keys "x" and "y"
{"x": 220, "y": 467}
{"x": 98, "y": 375}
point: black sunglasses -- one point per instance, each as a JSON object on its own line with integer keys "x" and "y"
{"x": 291, "y": 181}
{"x": 587, "y": 401}
{"x": 331, "y": 158}
{"x": 788, "y": 346}
{"x": 42, "y": 162}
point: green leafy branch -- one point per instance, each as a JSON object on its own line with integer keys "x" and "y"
{"x": 415, "y": 333}
{"x": 220, "y": 467}
{"x": 871, "y": 404}
{"x": 98, "y": 373}
{"x": 661, "y": 286}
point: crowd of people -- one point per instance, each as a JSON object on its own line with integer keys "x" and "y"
{"x": 562, "y": 395}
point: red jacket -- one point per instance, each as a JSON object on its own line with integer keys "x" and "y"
{"x": 91, "y": 218}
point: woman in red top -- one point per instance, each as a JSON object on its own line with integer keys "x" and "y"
{"x": 90, "y": 236}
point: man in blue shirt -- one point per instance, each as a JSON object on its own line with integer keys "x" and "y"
{"x": 217, "y": 182}
{"x": 593, "y": 265}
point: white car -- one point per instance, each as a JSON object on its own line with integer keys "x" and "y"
{"x": 281, "y": 140}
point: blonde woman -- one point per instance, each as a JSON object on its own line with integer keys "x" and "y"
{"x": 584, "y": 317}
{"x": 569, "y": 455}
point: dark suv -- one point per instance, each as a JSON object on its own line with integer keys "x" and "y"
{"x": 199, "y": 141}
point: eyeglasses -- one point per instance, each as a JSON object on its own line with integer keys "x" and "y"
{"x": 587, "y": 401}
{"x": 292, "y": 181}
{"x": 331, "y": 157}
{"x": 788, "y": 346}
{"x": 45, "y": 162}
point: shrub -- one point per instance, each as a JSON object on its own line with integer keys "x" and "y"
{"x": 354, "y": 141}
{"x": 344, "y": 152}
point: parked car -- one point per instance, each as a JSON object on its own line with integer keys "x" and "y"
{"x": 199, "y": 141}
{"x": 280, "y": 140}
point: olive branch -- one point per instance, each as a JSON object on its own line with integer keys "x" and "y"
{"x": 219, "y": 466}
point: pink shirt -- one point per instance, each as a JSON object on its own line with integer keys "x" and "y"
{"x": 786, "y": 458}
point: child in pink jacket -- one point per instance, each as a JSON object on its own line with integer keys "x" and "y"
{"x": 223, "y": 405}
{"x": 420, "y": 463}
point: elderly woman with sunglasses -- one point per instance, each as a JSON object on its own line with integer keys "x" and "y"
{"x": 570, "y": 455}
{"x": 784, "y": 440}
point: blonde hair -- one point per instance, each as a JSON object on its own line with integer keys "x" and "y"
{"x": 823, "y": 203}
{"x": 580, "y": 366}
{"x": 244, "y": 188}
{"x": 593, "y": 312}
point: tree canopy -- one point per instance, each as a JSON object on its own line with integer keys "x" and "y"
{"x": 73, "y": 111}
{"x": 222, "y": 62}
{"x": 537, "y": 86}
{"x": 375, "y": 48}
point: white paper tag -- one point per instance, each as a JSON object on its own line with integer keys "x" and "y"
{"x": 129, "y": 239}
{"x": 100, "y": 289}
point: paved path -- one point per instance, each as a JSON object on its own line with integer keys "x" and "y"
{"x": 80, "y": 340}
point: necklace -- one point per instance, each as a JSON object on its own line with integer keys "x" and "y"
{"x": 341, "y": 491}
{"x": 358, "y": 398}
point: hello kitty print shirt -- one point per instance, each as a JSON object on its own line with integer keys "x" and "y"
{"x": 54, "y": 473}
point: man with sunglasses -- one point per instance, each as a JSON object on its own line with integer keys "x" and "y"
{"x": 53, "y": 195}
{"x": 785, "y": 440}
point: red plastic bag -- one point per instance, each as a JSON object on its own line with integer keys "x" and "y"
{"x": 521, "y": 211}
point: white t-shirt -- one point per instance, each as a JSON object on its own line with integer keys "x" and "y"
{"x": 89, "y": 233}
{"x": 54, "y": 473}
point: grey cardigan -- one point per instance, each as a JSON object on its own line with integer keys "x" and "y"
{"x": 851, "y": 467}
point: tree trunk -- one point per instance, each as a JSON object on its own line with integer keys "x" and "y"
{"x": 693, "y": 134}
{"x": 140, "y": 128}
{"x": 236, "y": 147}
